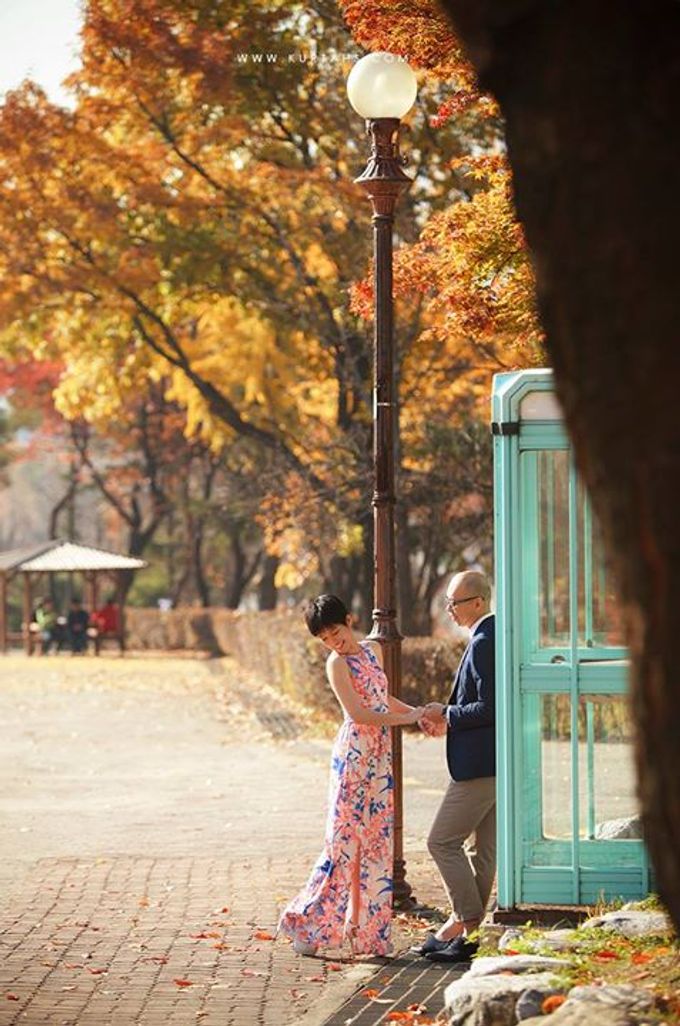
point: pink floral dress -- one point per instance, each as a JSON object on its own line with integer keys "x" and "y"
{"x": 358, "y": 827}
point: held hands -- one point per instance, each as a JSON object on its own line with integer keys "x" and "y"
{"x": 432, "y": 721}
{"x": 415, "y": 715}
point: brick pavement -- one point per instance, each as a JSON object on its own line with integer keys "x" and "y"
{"x": 151, "y": 832}
{"x": 105, "y": 940}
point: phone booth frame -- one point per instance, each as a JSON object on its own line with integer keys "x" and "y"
{"x": 563, "y": 730}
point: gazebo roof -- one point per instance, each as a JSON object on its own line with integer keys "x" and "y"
{"x": 63, "y": 556}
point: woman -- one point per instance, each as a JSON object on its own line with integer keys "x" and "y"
{"x": 349, "y": 893}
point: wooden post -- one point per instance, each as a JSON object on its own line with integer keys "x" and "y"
{"x": 120, "y": 597}
{"x": 27, "y": 615}
{"x": 3, "y": 611}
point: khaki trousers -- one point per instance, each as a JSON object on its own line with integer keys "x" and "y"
{"x": 468, "y": 807}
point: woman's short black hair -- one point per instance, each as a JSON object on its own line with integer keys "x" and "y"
{"x": 325, "y": 611}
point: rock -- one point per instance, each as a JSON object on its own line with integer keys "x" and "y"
{"x": 515, "y": 964}
{"x": 490, "y": 935}
{"x": 553, "y": 940}
{"x": 619, "y": 829}
{"x": 631, "y": 923}
{"x": 510, "y": 938}
{"x": 579, "y": 1014}
{"x": 622, "y": 995}
{"x": 490, "y": 1000}
{"x": 530, "y": 1003}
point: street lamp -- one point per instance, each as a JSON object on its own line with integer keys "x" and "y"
{"x": 382, "y": 89}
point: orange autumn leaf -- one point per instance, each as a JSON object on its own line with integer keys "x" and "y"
{"x": 370, "y": 993}
{"x": 413, "y": 1017}
{"x": 606, "y": 955}
{"x": 264, "y": 935}
{"x": 641, "y": 957}
{"x": 510, "y": 951}
{"x": 334, "y": 967}
{"x": 97, "y": 972}
{"x": 551, "y": 1003}
{"x": 205, "y": 934}
{"x": 183, "y": 983}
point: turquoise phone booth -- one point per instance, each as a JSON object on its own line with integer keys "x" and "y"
{"x": 569, "y": 831}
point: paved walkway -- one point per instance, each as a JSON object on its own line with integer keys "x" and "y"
{"x": 152, "y": 829}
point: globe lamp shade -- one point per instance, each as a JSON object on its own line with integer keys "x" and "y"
{"x": 381, "y": 85}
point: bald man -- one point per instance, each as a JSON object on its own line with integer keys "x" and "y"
{"x": 469, "y": 804}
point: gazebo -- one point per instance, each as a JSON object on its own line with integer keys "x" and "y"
{"x": 58, "y": 556}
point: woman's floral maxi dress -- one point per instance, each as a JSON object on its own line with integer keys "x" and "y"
{"x": 359, "y": 826}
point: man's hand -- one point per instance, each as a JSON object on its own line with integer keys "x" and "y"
{"x": 432, "y": 721}
{"x": 434, "y": 711}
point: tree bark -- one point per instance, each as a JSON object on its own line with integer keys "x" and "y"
{"x": 267, "y": 591}
{"x": 590, "y": 92}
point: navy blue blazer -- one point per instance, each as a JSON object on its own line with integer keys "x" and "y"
{"x": 471, "y": 709}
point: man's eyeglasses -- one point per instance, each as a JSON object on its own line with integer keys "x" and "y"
{"x": 451, "y": 604}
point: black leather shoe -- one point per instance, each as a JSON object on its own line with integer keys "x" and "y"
{"x": 430, "y": 944}
{"x": 459, "y": 950}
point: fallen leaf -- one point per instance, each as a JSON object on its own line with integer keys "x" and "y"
{"x": 96, "y": 972}
{"x": 143, "y": 902}
{"x": 334, "y": 967}
{"x": 606, "y": 955}
{"x": 184, "y": 983}
{"x": 160, "y": 959}
{"x": 552, "y": 1002}
{"x": 251, "y": 972}
{"x": 370, "y": 993}
{"x": 70, "y": 986}
{"x": 264, "y": 935}
{"x": 205, "y": 935}
{"x": 510, "y": 951}
{"x": 12, "y": 997}
{"x": 225, "y": 909}
{"x": 221, "y": 946}
{"x": 315, "y": 979}
{"x": 641, "y": 957}
{"x": 73, "y": 965}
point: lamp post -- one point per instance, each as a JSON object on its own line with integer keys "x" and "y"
{"x": 382, "y": 89}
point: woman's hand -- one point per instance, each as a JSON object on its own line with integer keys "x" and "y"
{"x": 413, "y": 715}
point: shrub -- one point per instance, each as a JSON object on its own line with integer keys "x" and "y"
{"x": 277, "y": 649}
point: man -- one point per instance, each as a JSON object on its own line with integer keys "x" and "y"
{"x": 469, "y": 804}
{"x": 77, "y": 624}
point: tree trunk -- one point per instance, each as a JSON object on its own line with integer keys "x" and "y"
{"x": 590, "y": 92}
{"x": 367, "y": 560}
{"x": 267, "y": 591}
{"x": 202, "y": 585}
{"x": 410, "y": 616}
